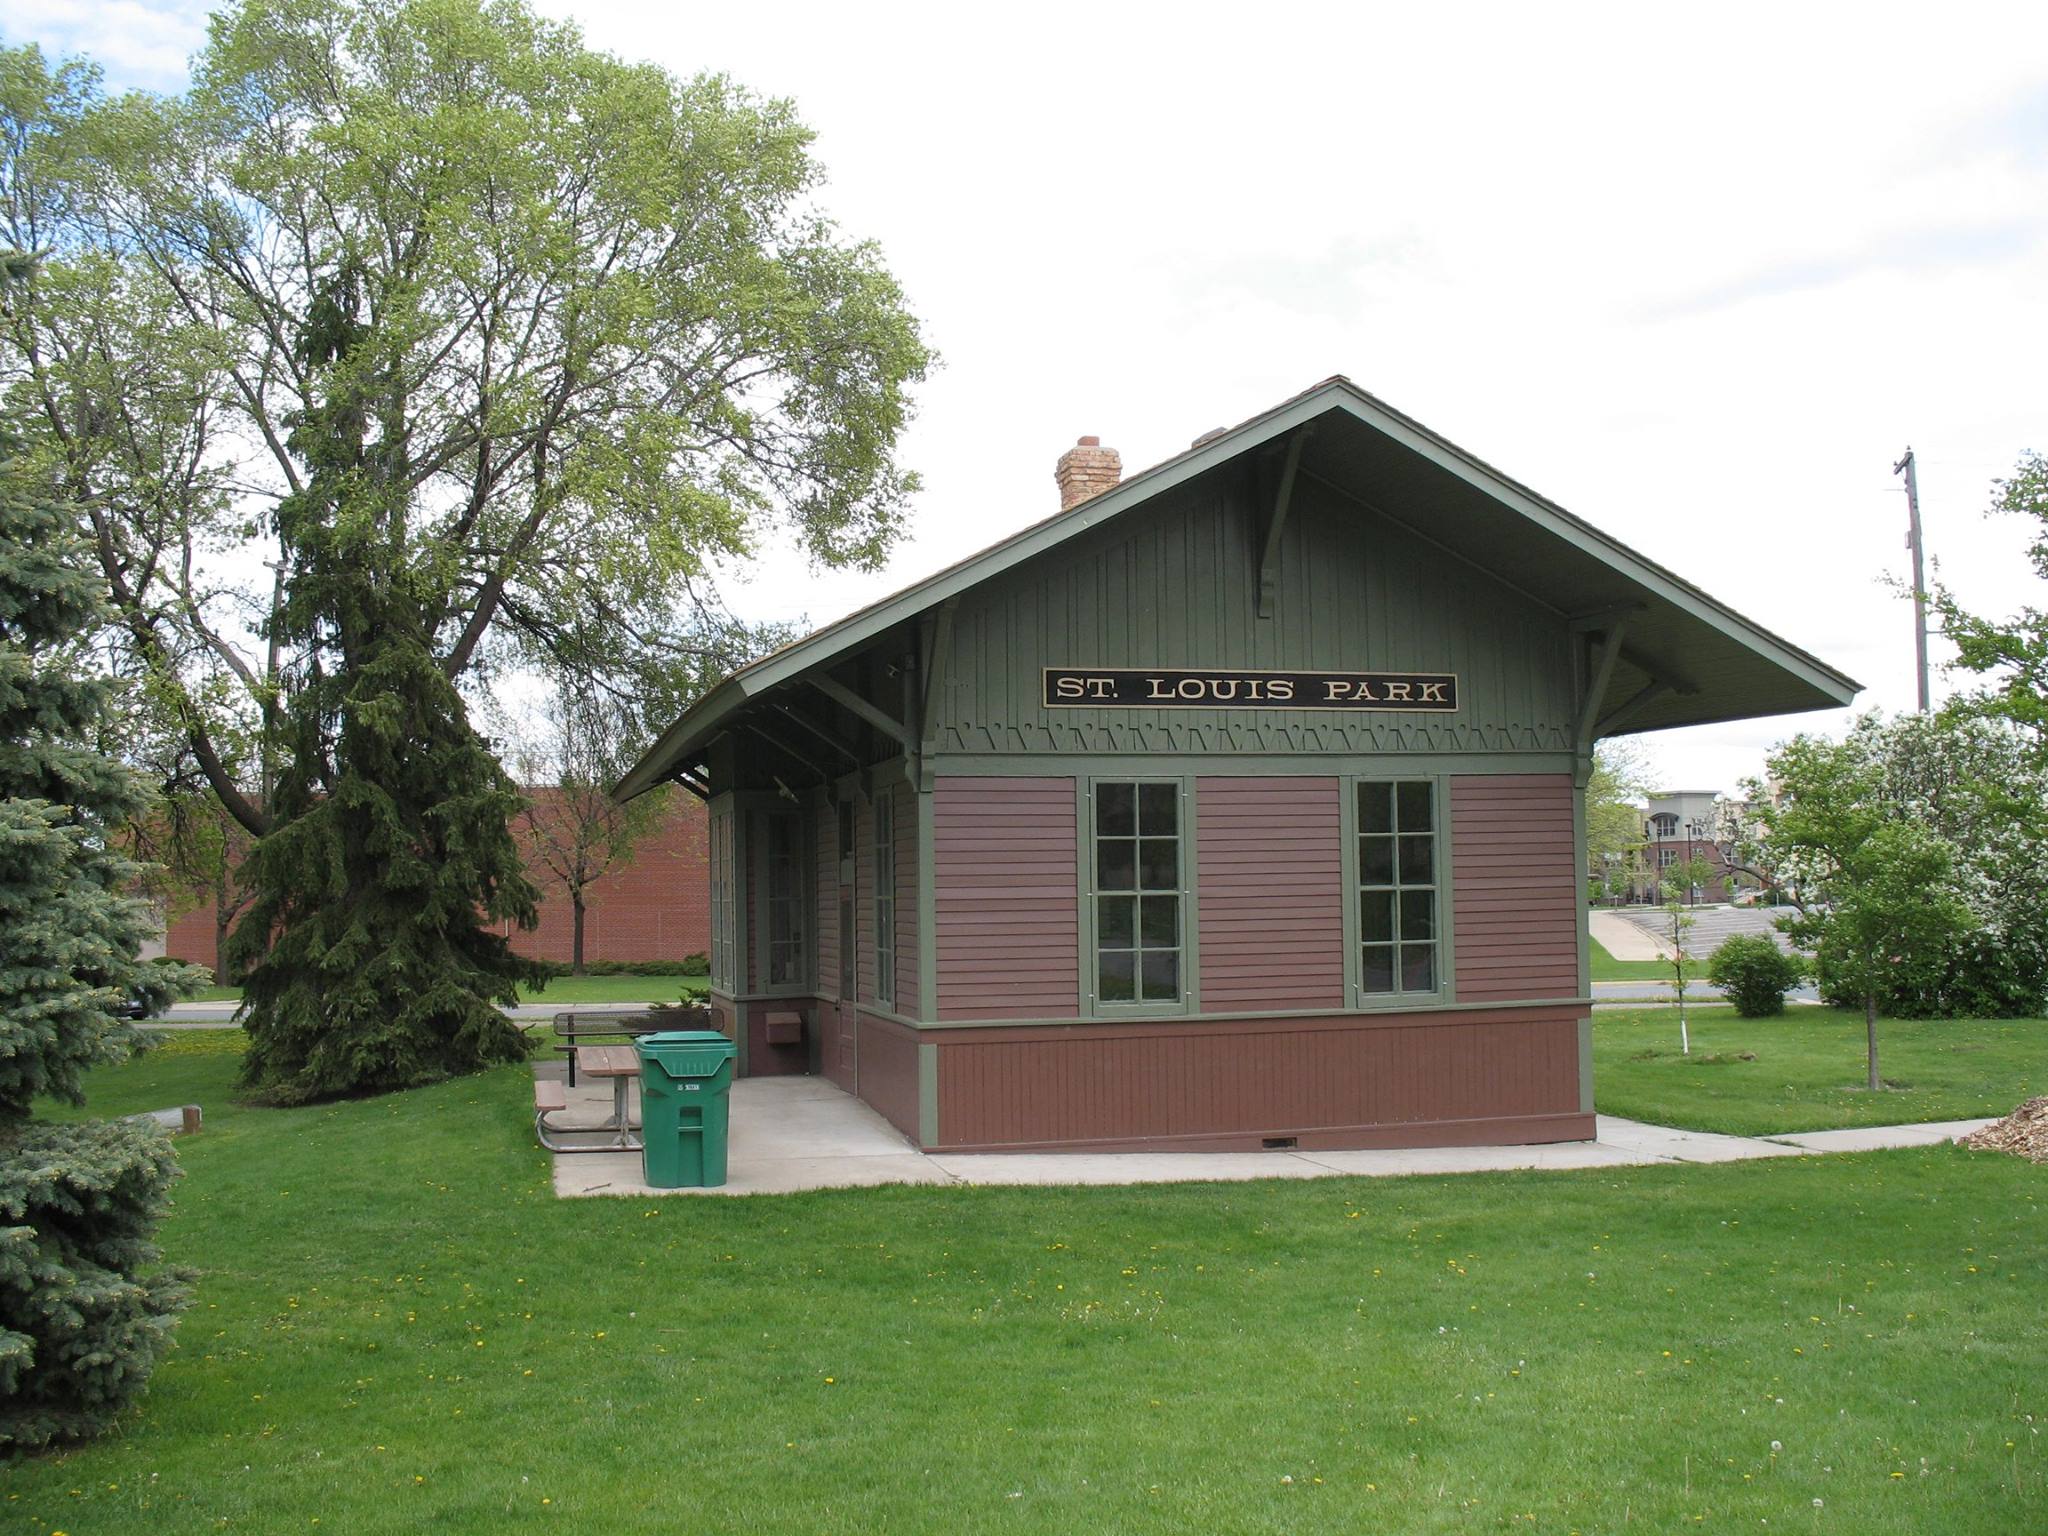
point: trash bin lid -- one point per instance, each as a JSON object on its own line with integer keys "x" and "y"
{"x": 686, "y": 1053}
{"x": 696, "y": 1038}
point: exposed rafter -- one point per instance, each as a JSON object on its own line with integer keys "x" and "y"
{"x": 855, "y": 705}
{"x": 820, "y": 732}
{"x": 754, "y": 727}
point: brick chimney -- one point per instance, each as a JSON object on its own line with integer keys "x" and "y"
{"x": 1087, "y": 469}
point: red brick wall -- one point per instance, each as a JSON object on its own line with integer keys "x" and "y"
{"x": 656, "y": 908}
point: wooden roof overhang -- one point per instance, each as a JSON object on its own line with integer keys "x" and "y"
{"x": 1661, "y": 652}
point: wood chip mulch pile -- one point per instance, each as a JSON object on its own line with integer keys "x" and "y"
{"x": 2023, "y": 1133}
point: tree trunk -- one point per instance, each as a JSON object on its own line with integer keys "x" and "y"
{"x": 576, "y": 947}
{"x": 223, "y": 924}
{"x": 1870, "y": 1037}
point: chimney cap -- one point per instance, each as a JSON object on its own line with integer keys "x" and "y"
{"x": 1088, "y": 442}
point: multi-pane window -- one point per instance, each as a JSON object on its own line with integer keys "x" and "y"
{"x": 885, "y": 898}
{"x": 1397, "y": 887}
{"x": 1666, "y": 857}
{"x": 785, "y": 899}
{"x": 724, "y": 973}
{"x": 1137, "y": 893}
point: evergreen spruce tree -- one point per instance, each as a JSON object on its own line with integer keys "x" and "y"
{"x": 366, "y": 958}
{"x": 85, "y": 1309}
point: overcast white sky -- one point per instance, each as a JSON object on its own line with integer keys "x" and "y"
{"x": 1699, "y": 275}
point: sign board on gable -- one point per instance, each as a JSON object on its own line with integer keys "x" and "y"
{"x": 1228, "y": 688}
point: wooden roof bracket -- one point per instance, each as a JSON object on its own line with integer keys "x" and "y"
{"x": 1643, "y": 697}
{"x": 859, "y": 707}
{"x": 1596, "y": 685}
{"x": 1283, "y": 501}
{"x": 937, "y": 635}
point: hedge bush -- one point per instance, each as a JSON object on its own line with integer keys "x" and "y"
{"x": 1755, "y": 974}
{"x": 689, "y": 965}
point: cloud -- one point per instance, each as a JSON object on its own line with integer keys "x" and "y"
{"x": 1959, "y": 247}
{"x": 140, "y": 44}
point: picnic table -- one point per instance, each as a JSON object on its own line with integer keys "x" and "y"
{"x": 577, "y": 1028}
{"x": 620, "y": 1063}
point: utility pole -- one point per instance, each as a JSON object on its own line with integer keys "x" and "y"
{"x": 1905, "y": 466}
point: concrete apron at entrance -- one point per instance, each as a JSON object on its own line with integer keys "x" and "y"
{"x": 799, "y": 1133}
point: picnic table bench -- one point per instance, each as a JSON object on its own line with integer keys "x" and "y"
{"x": 612, "y": 1025}
{"x": 620, "y": 1063}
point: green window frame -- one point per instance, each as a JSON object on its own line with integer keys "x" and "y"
{"x": 784, "y": 908}
{"x": 1140, "y": 950}
{"x": 1398, "y": 879}
{"x": 724, "y": 880}
{"x": 885, "y": 897}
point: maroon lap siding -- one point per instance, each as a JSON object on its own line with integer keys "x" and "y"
{"x": 1517, "y": 900}
{"x": 1270, "y": 892}
{"x": 1008, "y": 916}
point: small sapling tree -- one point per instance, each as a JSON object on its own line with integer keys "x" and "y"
{"x": 1679, "y": 879}
{"x": 1890, "y": 913}
{"x": 573, "y": 831}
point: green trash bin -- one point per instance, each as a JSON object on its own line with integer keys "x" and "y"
{"x": 685, "y": 1078}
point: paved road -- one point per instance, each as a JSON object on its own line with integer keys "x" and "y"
{"x": 214, "y": 1015}
{"x": 1710, "y": 925}
{"x": 1697, "y": 992}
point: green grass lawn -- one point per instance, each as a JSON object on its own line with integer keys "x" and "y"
{"x": 1607, "y": 968}
{"x": 563, "y": 989}
{"x": 1809, "y": 1072}
{"x": 399, "y": 1328}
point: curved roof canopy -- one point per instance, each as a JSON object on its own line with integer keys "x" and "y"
{"x": 1680, "y": 657}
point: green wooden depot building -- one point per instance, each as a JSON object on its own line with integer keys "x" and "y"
{"x": 1238, "y": 805}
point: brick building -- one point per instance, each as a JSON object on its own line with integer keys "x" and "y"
{"x": 658, "y": 907}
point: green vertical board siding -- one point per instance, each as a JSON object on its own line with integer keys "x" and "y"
{"x": 1177, "y": 585}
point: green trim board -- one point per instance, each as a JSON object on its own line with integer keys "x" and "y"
{"x": 927, "y": 1094}
{"x": 1448, "y": 1011}
{"x": 1260, "y": 765}
{"x": 1559, "y": 559}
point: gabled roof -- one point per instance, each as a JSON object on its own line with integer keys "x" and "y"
{"x": 1685, "y": 659}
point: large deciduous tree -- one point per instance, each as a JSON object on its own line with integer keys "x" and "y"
{"x": 85, "y": 1309}
{"x": 1614, "y": 813}
{"x": 417, "y": 341}
{"x": 2011, "y": 652}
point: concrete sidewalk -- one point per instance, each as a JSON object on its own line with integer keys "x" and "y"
{"x": 801, "y": 1133}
